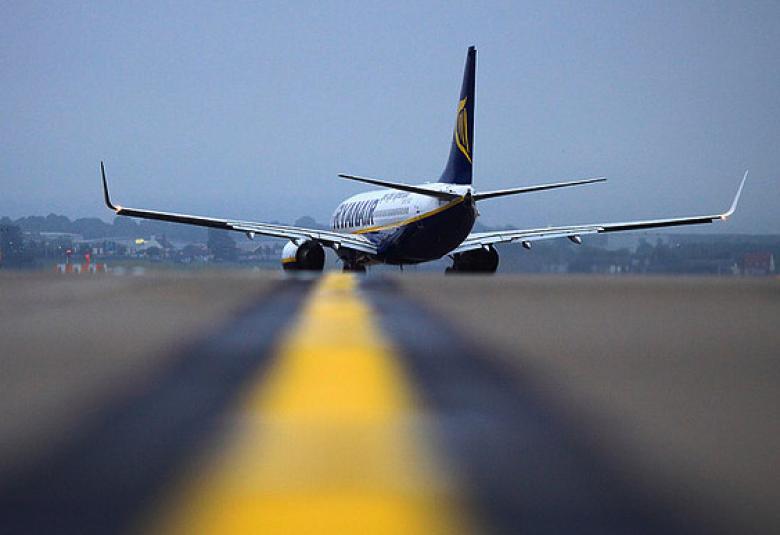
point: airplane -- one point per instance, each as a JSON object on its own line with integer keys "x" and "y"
{"x": 406, "y": 224}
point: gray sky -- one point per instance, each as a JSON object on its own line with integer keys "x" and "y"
{"x": 249, "y": 110}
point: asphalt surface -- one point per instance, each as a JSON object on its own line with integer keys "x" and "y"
{"x": 67, "y": 344}
{"x": 553, "y": 404}
{"x": 676, "y": 379}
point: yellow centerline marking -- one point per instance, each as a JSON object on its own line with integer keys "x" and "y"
{"x": 331, "y": 441}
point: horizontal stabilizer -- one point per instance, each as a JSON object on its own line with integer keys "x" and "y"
{"x": 541, "y": 187}
{"x": 404, "y": 187}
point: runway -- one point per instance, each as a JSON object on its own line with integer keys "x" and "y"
{"x": 254, "y": 402}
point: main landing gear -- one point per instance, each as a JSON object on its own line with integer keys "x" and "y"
{"x": 483, "y": 260}
{"x": 354, "y": 268}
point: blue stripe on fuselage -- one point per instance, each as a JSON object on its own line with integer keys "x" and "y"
{"x": 426, "y": 239}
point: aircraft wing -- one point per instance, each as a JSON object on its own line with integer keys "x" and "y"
{"x": 478, "y": 240}
{"x": 328, "y": 238}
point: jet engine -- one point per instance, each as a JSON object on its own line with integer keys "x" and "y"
{"x": 476, "y": 261}
{"x": 308, "y": 255}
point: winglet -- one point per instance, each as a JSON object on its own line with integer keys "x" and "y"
{"x": 736, "y": 198}
{"x": 105, "y": 188}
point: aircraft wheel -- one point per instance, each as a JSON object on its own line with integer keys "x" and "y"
{"x": 477, "y": 261}
{"x": 354, "y": 268}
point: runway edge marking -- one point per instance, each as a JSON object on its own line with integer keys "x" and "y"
{"x": 328, "y": 441}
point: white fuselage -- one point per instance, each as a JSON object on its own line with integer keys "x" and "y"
{"x": 385, "y": 209}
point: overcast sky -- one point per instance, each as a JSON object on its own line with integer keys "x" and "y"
{"x": 249, "y": 110}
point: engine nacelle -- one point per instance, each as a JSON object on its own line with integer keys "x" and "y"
{"x": 309, "y": 256}
{"x": 476, "y": 261}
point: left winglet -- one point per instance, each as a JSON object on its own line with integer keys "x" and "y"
{"x": 106, "y": 197}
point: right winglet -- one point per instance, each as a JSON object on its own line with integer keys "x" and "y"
{"x": 733, "y": 207}
{"x": 105, "y": 189}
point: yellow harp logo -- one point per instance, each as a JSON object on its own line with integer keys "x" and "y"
{"x": 462, "y": 130}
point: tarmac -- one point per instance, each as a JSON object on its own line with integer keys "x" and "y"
{"x": 239, "y": 401}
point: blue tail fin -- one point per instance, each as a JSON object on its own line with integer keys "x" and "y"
{"x": 458, "y": 170}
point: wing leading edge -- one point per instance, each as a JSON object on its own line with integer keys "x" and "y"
{"x": 483, "y": 239}
{"x": 250, "y": 228}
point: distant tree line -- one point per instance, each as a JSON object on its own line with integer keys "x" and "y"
{"x": 671, "y": 253}
{"x": 689, "y": 254}
{"x": 122, "y": 227}
{"x": 13, "y": 250}
{"x": 94, "y": 228}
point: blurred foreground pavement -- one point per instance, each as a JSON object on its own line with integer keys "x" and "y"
{"x": 501, "y": 403}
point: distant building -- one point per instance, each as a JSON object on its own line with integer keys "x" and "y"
{"x": 194, "y": 253}
{"x": 758, "y": 264}
{"x": 60, "y": 236}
